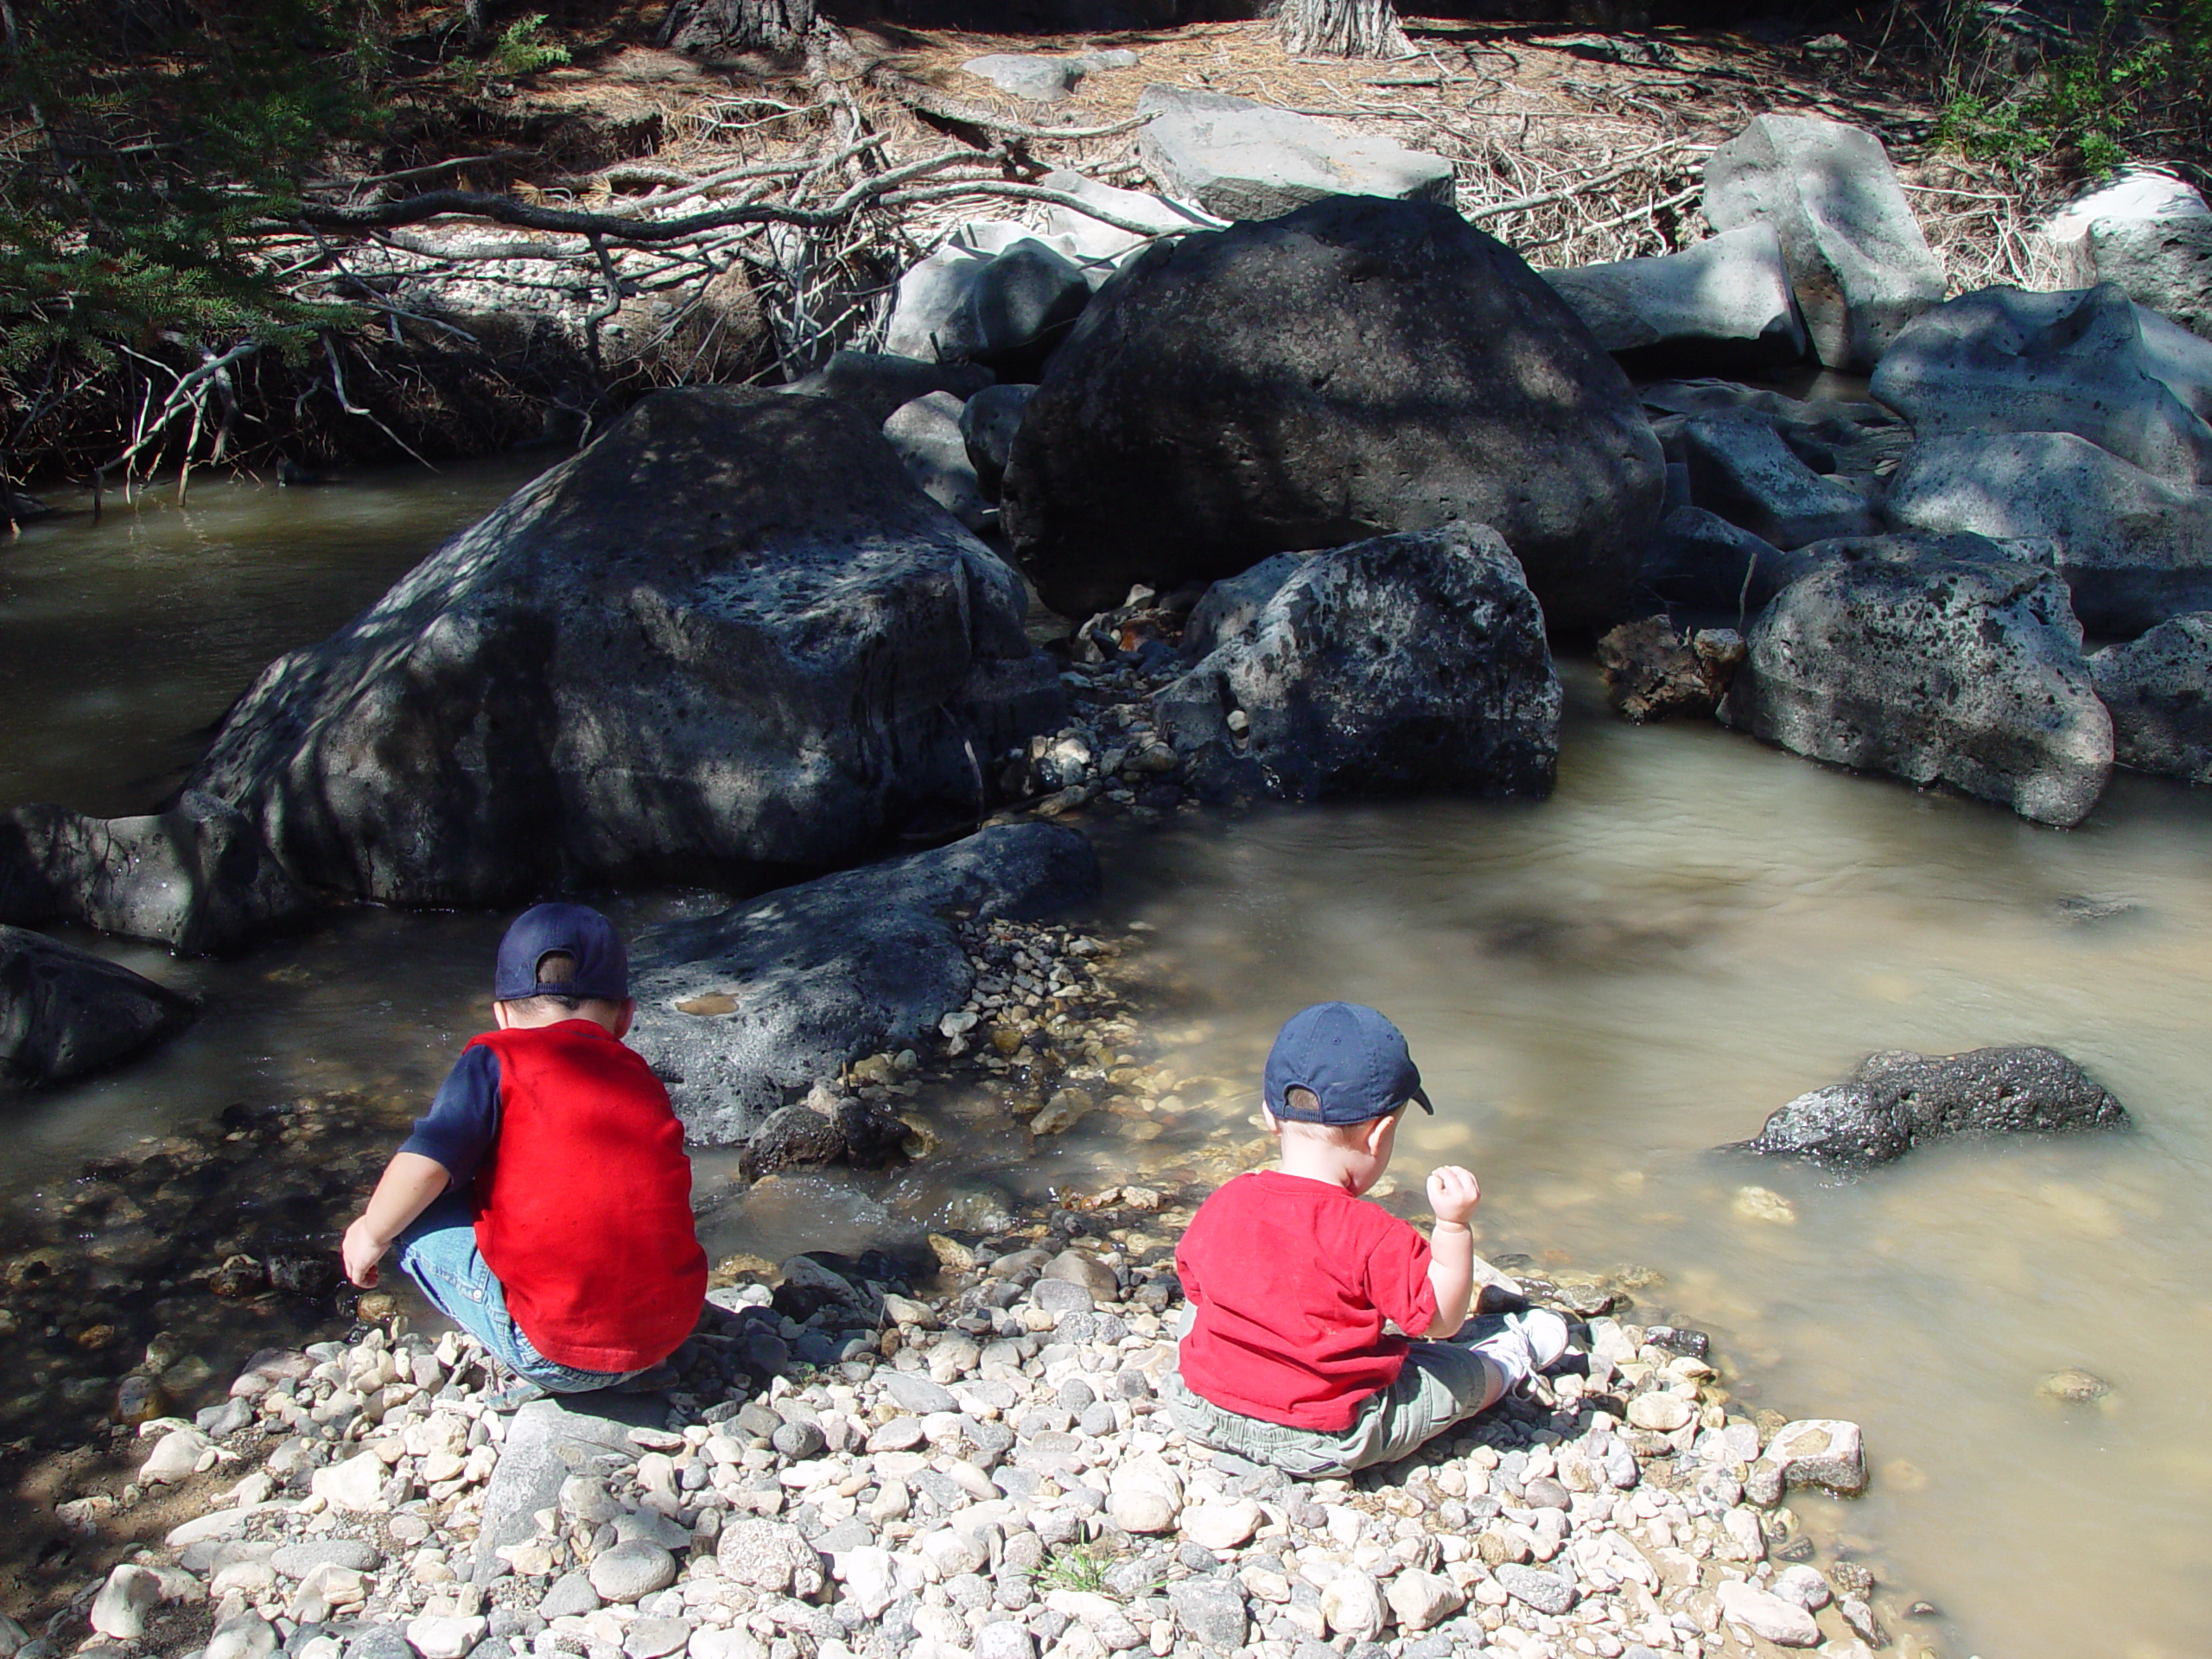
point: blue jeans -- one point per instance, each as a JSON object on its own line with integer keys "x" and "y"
{"x": 438, "y": 1252}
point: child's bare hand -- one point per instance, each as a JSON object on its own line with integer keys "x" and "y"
{"x": 361, "y": 1252}
{"x": 1453, "y": 1192}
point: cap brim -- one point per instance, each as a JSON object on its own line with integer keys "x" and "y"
{"x": 1421, "y": 1096}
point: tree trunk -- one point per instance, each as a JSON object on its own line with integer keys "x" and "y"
{"x": 1342, "y": 28}
{"x": 737, "y": 25}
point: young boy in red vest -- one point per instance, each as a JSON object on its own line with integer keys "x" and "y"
{"x": 1290, "y": 1276}
{"x": 545, "y": 1201}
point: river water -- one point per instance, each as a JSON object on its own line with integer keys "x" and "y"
{"x": 1599, "y": 990}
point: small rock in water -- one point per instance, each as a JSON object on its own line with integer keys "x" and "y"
{"x": 2075, "y": 1386}
{"x": 1824, "y": 1452}
{"x": 1764, "y": 1204}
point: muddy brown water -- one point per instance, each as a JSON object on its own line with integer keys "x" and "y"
{"x": 1599, "y": 990}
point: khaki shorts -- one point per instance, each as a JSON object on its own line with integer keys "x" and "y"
{"x": 1442, "y": 1384}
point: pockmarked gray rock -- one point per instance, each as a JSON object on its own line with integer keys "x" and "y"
{"x": 988, "y": 424}
{"x": 771, "y": 1557}
{"x": 532, "y": 1472}
{"x": 65, "y": 1012}
{"x": 1548, "y": 1593}
{"x": 2134, "y": 549}
{"x": 196, "y": 878}
{"x": 1897, "y": 1100}
{"x": 1032, "y": 75}
{"x": 1244, "y": 161}
{"x": 729, "y": 636}
{"x": 2159, "y": 692}
{"x": 876, "y": 382}
{"x": 1352, "y": 369}
{"x": 1229, "y": 606}
{"x": 1723, "y": 305}
{"x": 1699, "y": 560}
{"x": 927, "y": 433}
{"x": 2001, "y": 360}
{"x": 737, "y": 1009}
{"x": 1741, "y": 469}
{"x": 1859, "y": 262}
{"x": 1408, "y": 662}
{"x": 2165, "y": 264}
{"x": 1006, "y": 309}
{"x": 1100, "y": 246}
{"x": 1932, "y": 670}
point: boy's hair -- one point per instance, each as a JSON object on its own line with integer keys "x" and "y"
{"x": 554, "y": 968}
{"x": 1302, "y": 1099}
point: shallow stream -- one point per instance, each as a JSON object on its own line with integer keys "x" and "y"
{"x": 1599, "y": 990}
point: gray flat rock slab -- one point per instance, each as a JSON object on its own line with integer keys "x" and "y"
{"x": 546, "y": 1441}
{"x": 1243, "y": 160}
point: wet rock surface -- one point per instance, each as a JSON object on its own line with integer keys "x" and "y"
{"x": 1356, "y": 368}
{"x": 196, "y": 878}
{"x": 1896, "y": 1101}
{"x": 1932, "y": 669}
{"x": 65, "y": 1012}
{"x": 730, "y": 634}
{"x": 1653, "y": 673}
{"x": 738, "y": 1010}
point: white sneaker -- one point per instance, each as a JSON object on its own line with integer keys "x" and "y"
{"x": 1533, "y": 1341}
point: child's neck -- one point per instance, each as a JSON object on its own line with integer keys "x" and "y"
{"x": 1332, "y": 1165}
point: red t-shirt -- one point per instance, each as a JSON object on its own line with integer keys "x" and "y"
{"x": 1290, "y": 1279}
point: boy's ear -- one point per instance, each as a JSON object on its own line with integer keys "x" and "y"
{"x": 1376, "y": 1128}
{"x": 629, "y": 1012}
{"x": 499, "y": 1016}
{"x": 1274, "y": 1123}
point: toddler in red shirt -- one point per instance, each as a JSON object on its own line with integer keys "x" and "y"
{"x": 544, "y": 1202}
{"x": 1291, "y": 1275}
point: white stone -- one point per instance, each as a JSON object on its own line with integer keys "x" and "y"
{"x": 1804, "y": 1585}
{"x": 119, "y": 1610}
{"x": 1420, "y": 1600}
{"x": 1661, "y": 1414}
{"x": 247, "y": 1636}
{"x": 1223, "y": 1523}
{"x": 1144, "y": 1496}
{"x": 1030, "y": 75}
{"x": 1824, "y": 1452}
{"x": 1766, "y": 1615}
{"x": 1099, "y": 245}
{"x": 870, "y": 1578}
{"x": 1351, "y": 1602}
{"x": 444, "y": 1638}
{"x": 355, "y": 1486}
{"x": 175, "y": 1456}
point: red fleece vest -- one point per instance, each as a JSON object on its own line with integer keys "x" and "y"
{"x": 584, "y": 1202}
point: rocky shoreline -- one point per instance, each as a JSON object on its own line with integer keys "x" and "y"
{"x": 963, "y": 1456}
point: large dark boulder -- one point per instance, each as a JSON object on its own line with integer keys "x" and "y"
{"x": 1356, "y": 367}
{"x": 65, "y": 1012}
{"x": 1897, "y": 1100}
{"x": 730, "y": 635}
{"x": 738, "y": 1010}
{"x": 1408, "y": 662}
{"x": 196, "y": 878}
{"x": 1931, "y": 668}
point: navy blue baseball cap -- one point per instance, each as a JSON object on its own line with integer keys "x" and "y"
{"x": 575, "y": 930}
{"x": 1353, "y": 1060}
